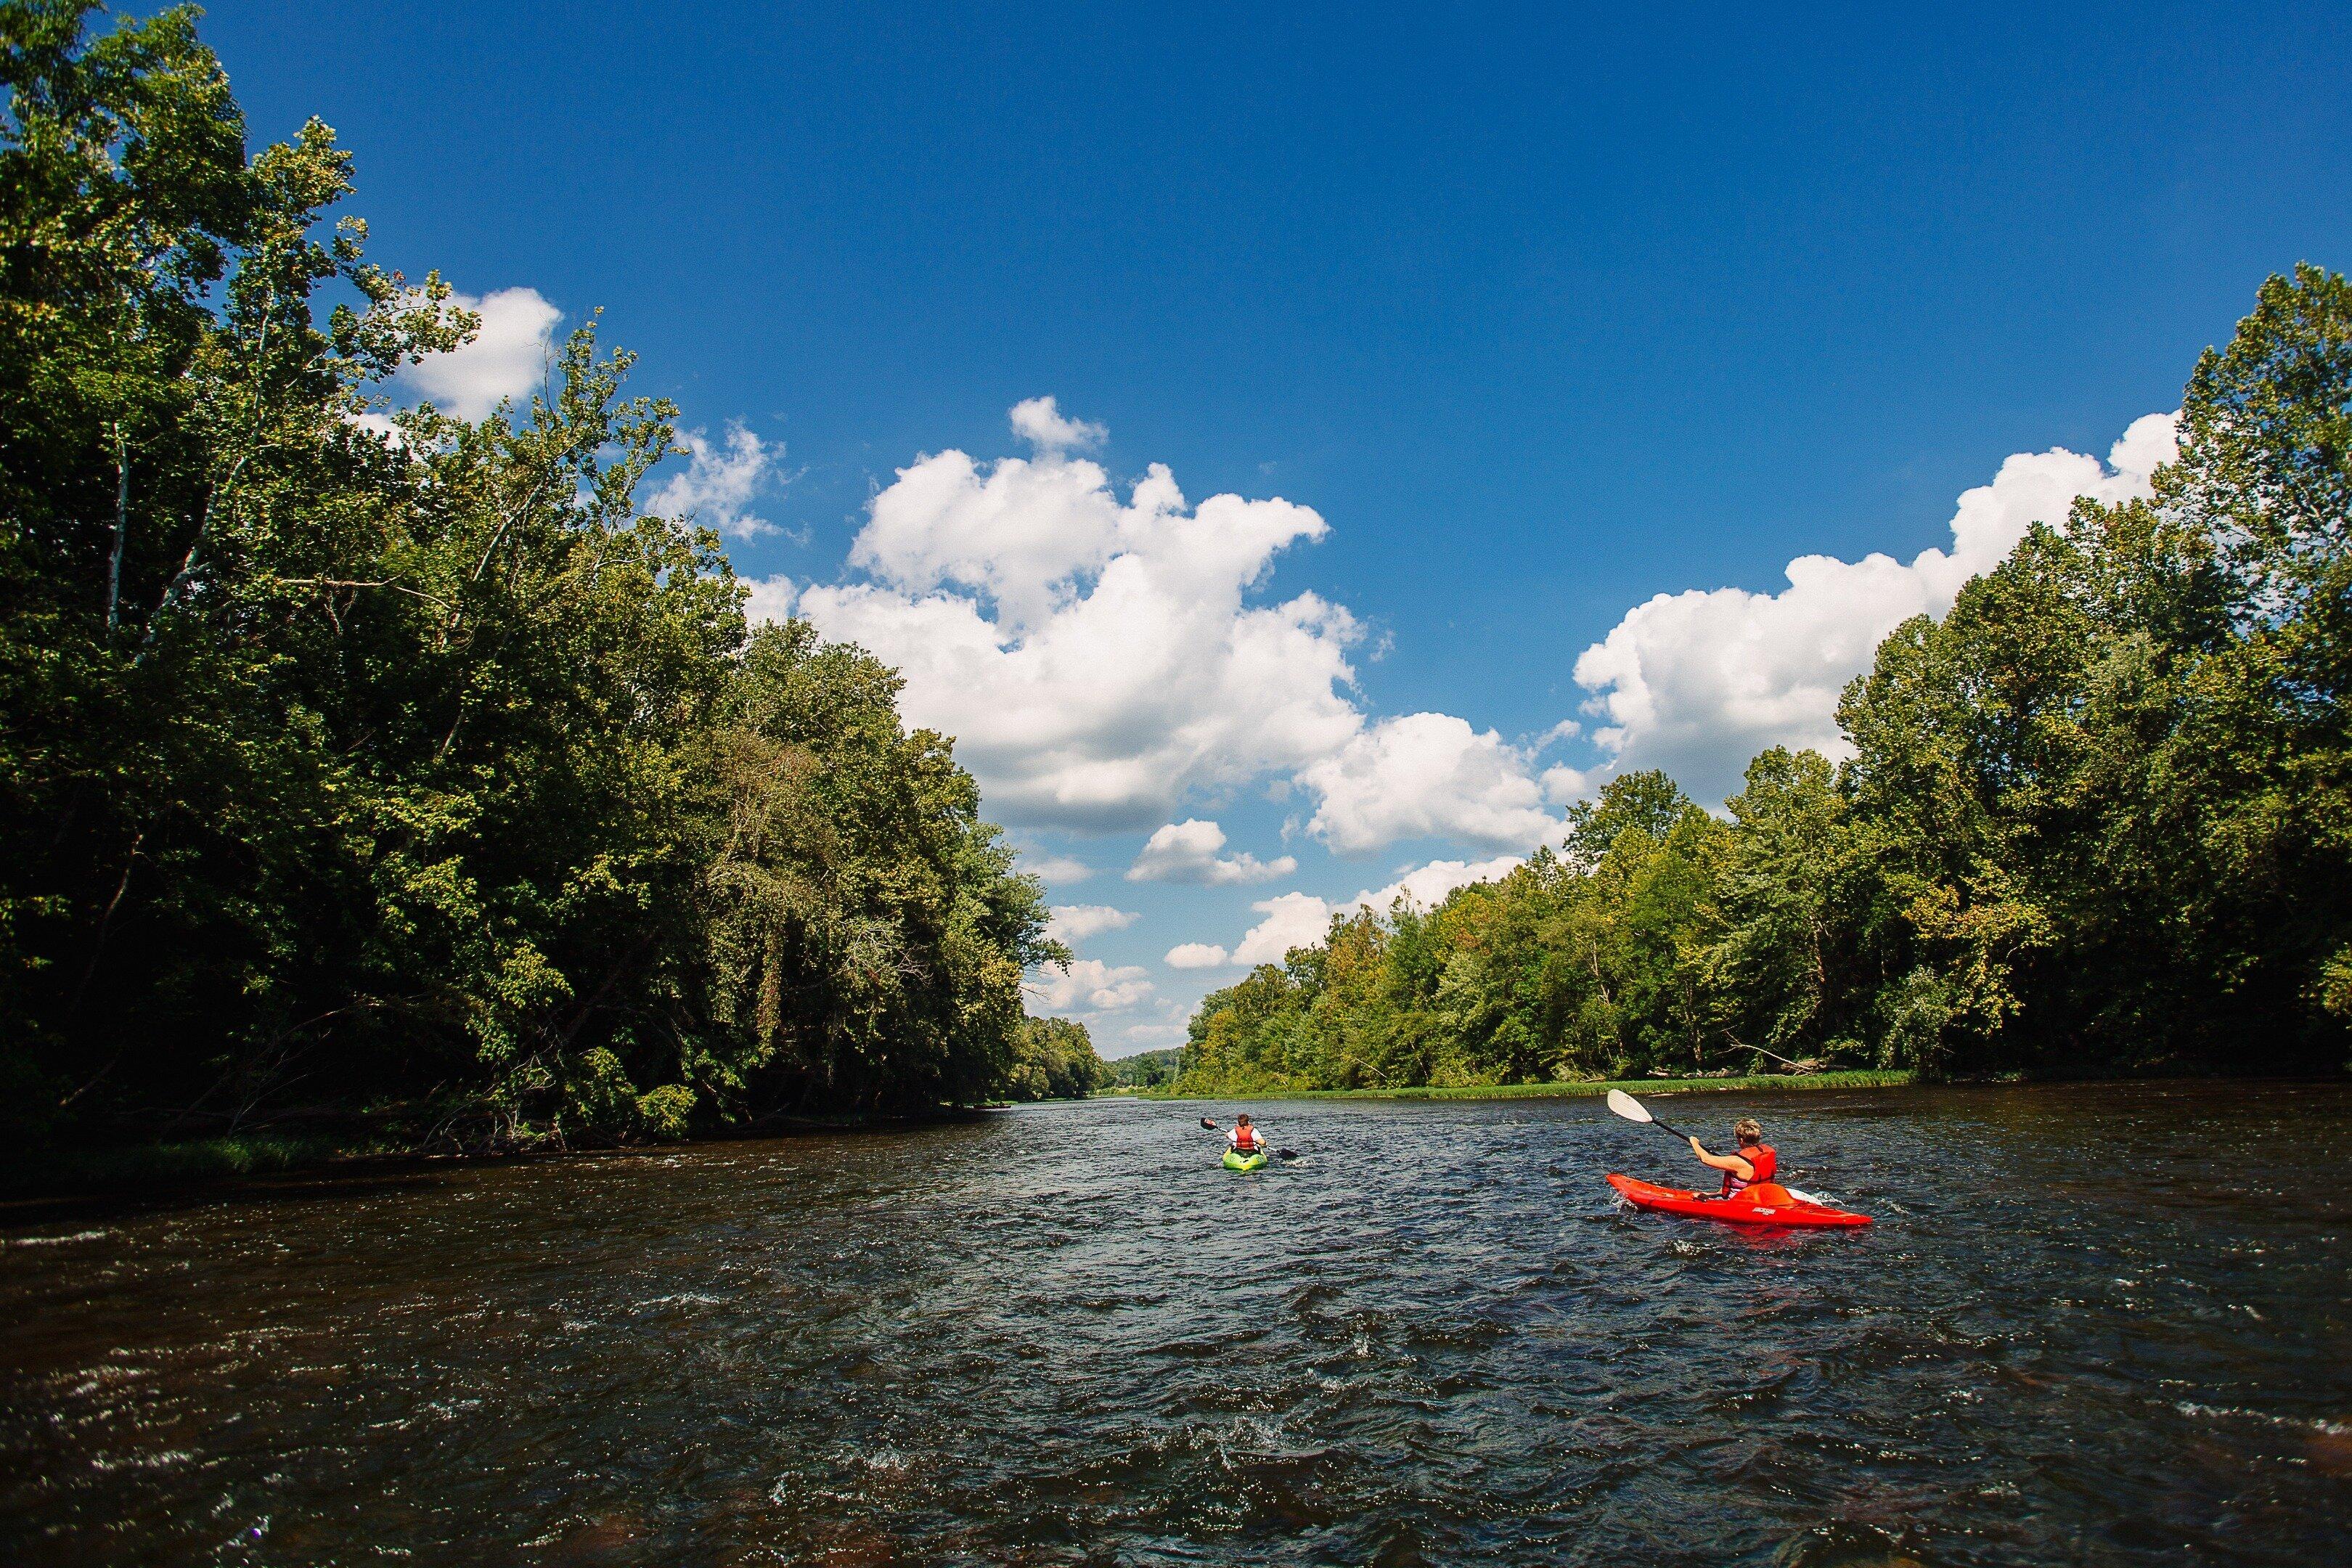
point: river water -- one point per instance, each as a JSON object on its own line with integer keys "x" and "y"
{"x": 2093, "y": 1325}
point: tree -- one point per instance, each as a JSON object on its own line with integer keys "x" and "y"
{"x": 1054, "y": 1058}
{"x": 358, "y": 763}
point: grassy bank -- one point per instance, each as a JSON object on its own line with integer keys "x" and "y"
{"x": 1767, "y": 1084}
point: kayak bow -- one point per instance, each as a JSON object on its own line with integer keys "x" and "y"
{"x": 1237, "y": 1161}
{"x": 1766, "y": 1203}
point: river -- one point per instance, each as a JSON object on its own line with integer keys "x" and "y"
{"x": 2093, "y": 1325}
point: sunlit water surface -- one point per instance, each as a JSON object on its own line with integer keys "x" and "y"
{"x": 2093, "y": 1325}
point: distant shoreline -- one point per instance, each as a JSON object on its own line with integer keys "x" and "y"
{"x": 1583, "y": 1090}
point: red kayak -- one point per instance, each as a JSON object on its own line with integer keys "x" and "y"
{"x": 1766, "y": 1203}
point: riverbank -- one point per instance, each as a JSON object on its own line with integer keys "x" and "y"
{"x": 43, "y": 1176}
{"x": 1775, "y": 1083}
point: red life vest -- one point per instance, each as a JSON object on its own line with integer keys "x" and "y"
{"x": 1247, "y": 1141}
{"x": 1761, "y": 1159}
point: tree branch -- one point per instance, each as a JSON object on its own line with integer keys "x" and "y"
{"x": 353, "y": 583}
{"x": 121, "y": 528}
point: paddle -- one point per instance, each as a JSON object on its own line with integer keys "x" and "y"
{"x": 1278, "y": 1153}
{"x": 1633, "y": 1110}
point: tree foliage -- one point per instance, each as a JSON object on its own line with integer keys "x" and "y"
{"x": 2098, "y": 818}
{"x": 350, "y": 759}
{"x": 1054, "y": 1058}
{"x": 1146, "y": 1070}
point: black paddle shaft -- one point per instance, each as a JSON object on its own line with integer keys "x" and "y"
{"x": 1662, "y": 1127}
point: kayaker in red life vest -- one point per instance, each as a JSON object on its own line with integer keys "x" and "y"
{"x": 1246, "y": 1140}
{"x": 1755, "y": 1162}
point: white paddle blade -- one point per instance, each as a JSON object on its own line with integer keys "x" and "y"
{"x": 1626, "y": 1106}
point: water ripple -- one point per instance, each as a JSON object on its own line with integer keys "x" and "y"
{"x": 1066, "y": 1336}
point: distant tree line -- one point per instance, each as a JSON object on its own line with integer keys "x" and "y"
{"x": 1146, "y": 1069}
{"x": 353, "y": 762}
{"x": 2098, "y": 819}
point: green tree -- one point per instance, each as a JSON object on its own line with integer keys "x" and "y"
{"x": 1054, "y": 1058}
{"x": 359, "y": 762}
{"x": 1794, "y": 892}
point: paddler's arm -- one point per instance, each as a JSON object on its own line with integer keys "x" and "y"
{"x": 1731, "y": 1163}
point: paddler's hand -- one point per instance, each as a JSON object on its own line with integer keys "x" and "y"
{"x": 1697, "y": 1150}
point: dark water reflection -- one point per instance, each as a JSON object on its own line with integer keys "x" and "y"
{"x": 2093, "y": 1326}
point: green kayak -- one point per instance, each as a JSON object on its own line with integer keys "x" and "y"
{"x": 1238, "y": 1160}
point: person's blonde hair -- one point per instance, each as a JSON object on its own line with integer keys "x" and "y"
{"x": 1748, "y": 1130}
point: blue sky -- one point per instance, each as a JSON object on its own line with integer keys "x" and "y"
{"x": 1542, "y": 314}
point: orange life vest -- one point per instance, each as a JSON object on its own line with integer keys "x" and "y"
{"x": 1247, "y": 1141}
{"x": 1761, "y": 1159}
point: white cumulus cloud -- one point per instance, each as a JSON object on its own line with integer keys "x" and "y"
{"x": 1427, "y": 776}
{"x": 1425, "y": 887}
{"x": 1101, "y": 659}
{"x": 1699, "y": 682}
{"x": 506, "y": 359}
{"x": 1297, "y": 920}
{"x": 1039, "y": 422}
{"x": 1187, "y": 852}
{"x": 1089, "y": 984}
{"x": 772, "y": 599}
{"x": 1195, "y": 956}
{"x": 1292, "y": 920}
{"x": 1096, "y": 656}
{"x": 1055, "y": 871}
{"x": 1076, "y": 922}
{"x": 720, "y": 482}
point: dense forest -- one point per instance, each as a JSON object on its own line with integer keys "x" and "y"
{"x": 359, "y": 763}
{"x": 2097, "y": 820}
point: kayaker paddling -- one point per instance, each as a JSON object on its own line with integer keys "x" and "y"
{"x": 1755, "y": 1162}
{"x": 1245, "y": 1147}
{"x": 1752, "y": 1193}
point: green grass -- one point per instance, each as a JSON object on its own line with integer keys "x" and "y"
{"x": 1771, "y": 1084}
